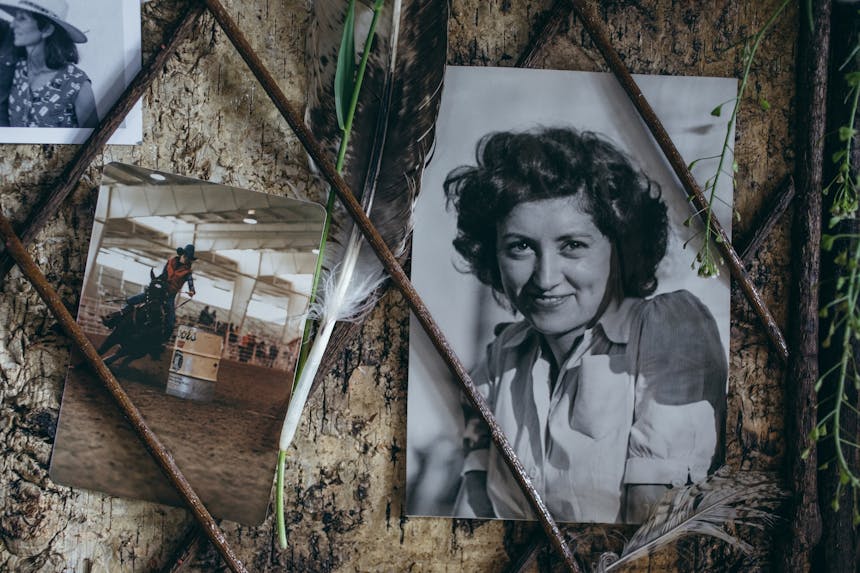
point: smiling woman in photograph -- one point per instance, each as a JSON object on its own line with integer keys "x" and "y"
{"x": 607, "y": 394}
{"x": 48, "y": 89}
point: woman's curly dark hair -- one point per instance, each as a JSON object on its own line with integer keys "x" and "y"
{"x": 514, "y": 168}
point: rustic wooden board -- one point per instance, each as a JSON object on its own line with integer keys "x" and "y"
{"x": 207, "y": 118}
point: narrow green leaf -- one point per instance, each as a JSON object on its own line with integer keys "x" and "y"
{"x": 827, "y": 242}
{"x": 765, "y": 105}
{"x": 344, "y": 77}
{"x": 809, "y": 19}
{"x": 837, "y": 157}
{"x": 717, "y": 111}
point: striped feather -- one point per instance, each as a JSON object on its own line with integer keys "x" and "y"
{"x": 704, "y": 508}
{"x": 391, "y": 140}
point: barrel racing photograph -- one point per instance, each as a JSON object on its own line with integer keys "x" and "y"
{"x": 195, "y": 295}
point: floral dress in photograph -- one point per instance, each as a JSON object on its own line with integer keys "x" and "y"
{"x": 52, "y": 105}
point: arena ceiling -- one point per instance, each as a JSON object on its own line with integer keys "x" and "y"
{"x": 148, "y": 214}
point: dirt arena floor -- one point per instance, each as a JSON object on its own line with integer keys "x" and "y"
{"x": 227, "y": 448}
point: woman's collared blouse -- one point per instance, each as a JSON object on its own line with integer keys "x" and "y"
{"x": 641, "y": 400}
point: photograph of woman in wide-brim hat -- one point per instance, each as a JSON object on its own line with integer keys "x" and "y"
{"x": 48, "y": 89}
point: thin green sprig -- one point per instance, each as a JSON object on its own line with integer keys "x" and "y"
{"x": 341, "y": 159}
{"x": 845, "y": 200}
{"x": 348, "y": 81}
{"x": 706, "y": 259}
{"x": 843, "y": 312}
{"x": 279, "y": 500}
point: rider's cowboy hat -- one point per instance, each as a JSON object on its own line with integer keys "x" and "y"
{"x": 188, "y": 251}
{"x": 54, "y": 10}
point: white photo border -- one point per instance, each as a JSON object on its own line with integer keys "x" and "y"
{"x": 90, "y": 16}
{"x": 482, "y": 100}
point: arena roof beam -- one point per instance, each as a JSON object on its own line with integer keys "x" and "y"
{"x": 199, "y": 199}
{"x": 215, "y": 241}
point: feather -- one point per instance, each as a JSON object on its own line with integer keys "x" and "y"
{"x": 390, "y": 142}
{"x": 704, "y": 508}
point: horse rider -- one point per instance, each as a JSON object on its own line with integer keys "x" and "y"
{"x": 176, "y": 272}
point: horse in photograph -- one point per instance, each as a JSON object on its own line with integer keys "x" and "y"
{"x": 142, "y": 328}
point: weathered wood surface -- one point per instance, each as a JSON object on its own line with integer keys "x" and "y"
{"x": 804, "y": 531}
{"x": 207, "y": 118}
{"x": 839, "y": 549}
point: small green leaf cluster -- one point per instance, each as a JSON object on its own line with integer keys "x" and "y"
{"x": 706, "y": 260}
{"x": 845, "y": 183}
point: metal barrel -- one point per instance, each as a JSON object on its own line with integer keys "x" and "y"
{"x": 194, "y": 364}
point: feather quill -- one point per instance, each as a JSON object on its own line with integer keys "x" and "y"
{"x": 391, "y": 139}
{"x": 704, "y": 508}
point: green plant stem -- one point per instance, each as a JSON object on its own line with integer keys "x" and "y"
{"x": 329, "y": 208}
{"x": 341, "y": 158}
{"x": 847, "y": 355}
{"x": 846, "y": 173}
{"x": 279, "y": 500}
{"x": 851, "y": 119}
{"x": 846, "y": 313}
{"x": 705, "y": 254}
{"x": 823, "y": 420}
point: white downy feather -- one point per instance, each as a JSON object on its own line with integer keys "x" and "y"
{"x": 392, "y": 135}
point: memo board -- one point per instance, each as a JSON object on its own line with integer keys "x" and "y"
{"x": 78, "y": 167}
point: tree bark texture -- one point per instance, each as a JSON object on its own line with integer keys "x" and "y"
{"x": 804, "y": 517}
{"x": 839, "y": 549}
{"x": 206, "y": 117}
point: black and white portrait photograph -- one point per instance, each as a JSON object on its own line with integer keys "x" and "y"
{"x": 63, "y": 64}
{"x": 553, "y": 247}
